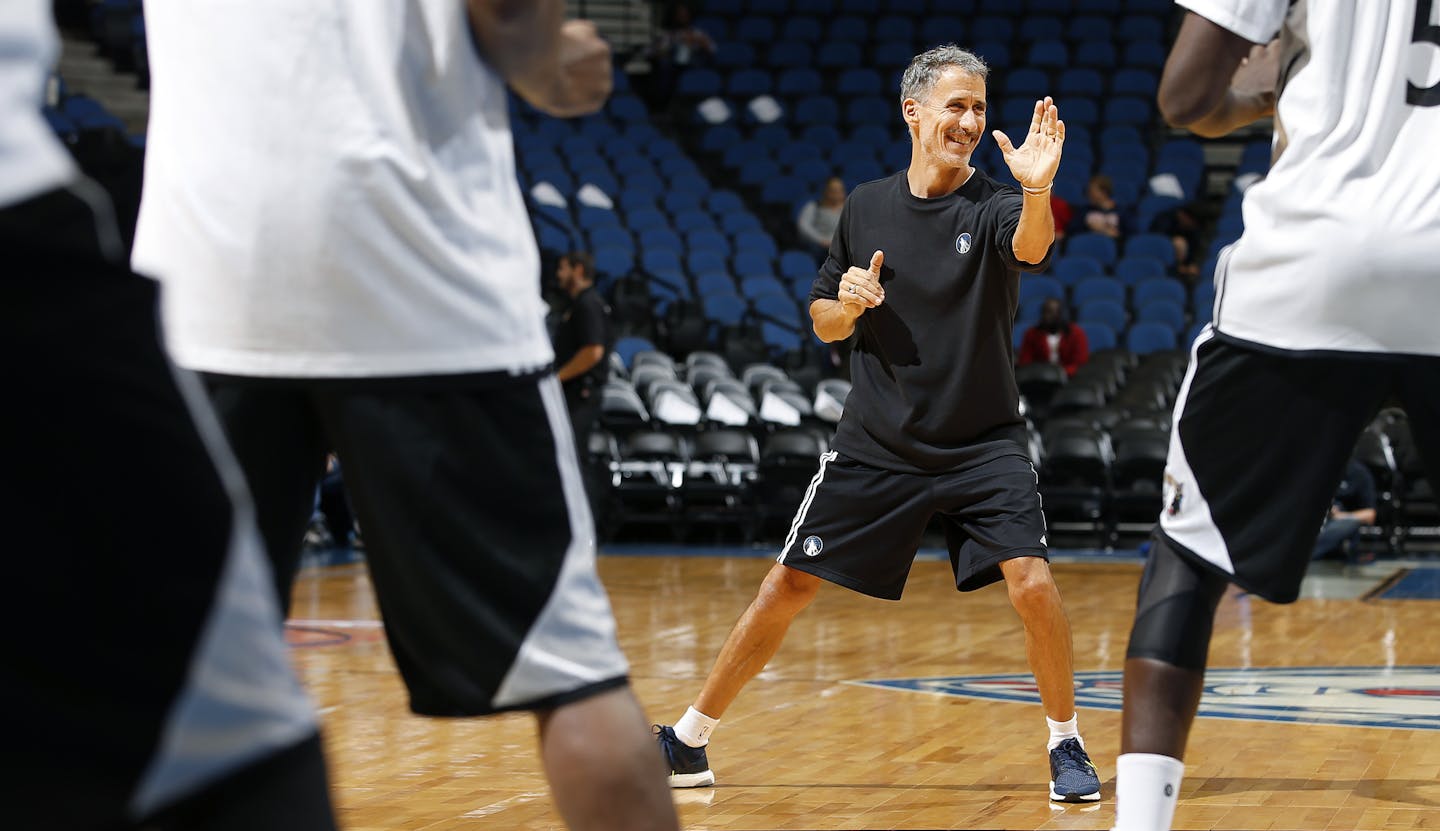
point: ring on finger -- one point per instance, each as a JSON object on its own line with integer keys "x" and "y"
{"x": 854, "y": 290}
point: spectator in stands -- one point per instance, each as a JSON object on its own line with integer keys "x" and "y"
{"x": 1054, "y": 340}
{"x": 677, "y": 47}
{"x": 581, "y": 343}
{"x": 1354, "y": 508}
{"x": 1182, "y": 226}
{"x": 1101, "y": 214}
{"x": 1064, "y": 215}
{"x": 819, "y": 217}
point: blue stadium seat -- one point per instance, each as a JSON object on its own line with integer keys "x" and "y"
{"x": 1144, "y": 54}
{"x": 724, "y": 309}
{"x": 1162, "y": 288}
{"x": 995, "y": 53}
{"x": 1152, "y": 206}
{"x": 754, "y": 29}
{"x": 859, "y": 171}
{"x": 798, "y": 82}
{"x": 788, "y": 54}
{"x": 1147, "y": 337}
{"x": 802, "y": 30}
{"x": 628, "y": 347}
{"x": 1049, "y": 53}
{"x": 703, "y": 262}
{"x": 1140, "y": 27}
{"x": 1085, "y": 27}
{"x": 823, "y": 137}
{"x": 848, "y": 29}
{"x": 1098, "y": 246}
{"x": 1203, "y": 295}
{"x": 783, "y": 190}
{"x": 780, "y": 338}
{"x": 734, "y": 222}
{"x": 776, "y": 305}
{"x": 1135, "y": 112}
{"x": 1040, "y": 27}
{"x": 682, "y": 197}
{"x": 590, "y": 218}
{"x": 755, "y": 171}
{"x": 612, "y": 238}
{"x": 1028, "y": 82}
{"x": 1158, "y": 246}
{"x": 1138, "y": 82}
{"x": 715, "y": 281}
{"x": 795, "y": 265}
{"x": 1095, "y": 54}
{"x": 1098, "y": 335}
{"x": 698, "y": 82}
{"x": 869, "y": 109}
{"x": 753, "y": 266}
{"x": 758, "y": 242}
{"x": 1079, "y": 82}
{"x": 859, "y": 81}
{"x": 990, "y": 27}
{"x": 693, "y": 219}
{"x": 734, "y": 55}
{"x": 1030, "y": 308}
{"x": 1194, "y": 332}
{"x": 724, "y": 201}
{"x": 1135, "y": 270}
{"x": 815, "y": 7}
{"x": 838, "y": 55}
{"x": 877, "y": 136}
{"x": 1097, "y": 6}
{"x": 1039, "y": 286}
{"x": 891, "y": 54}
{"x": 893, "y": 27}
{"x": 1098, "y": 288}
{"x": 718, "y": 28}
{"x": 1163, "y": 312}
{"x": 943, "y": 28}
{"x": 865, "y": 7}
{"x": 708, "y": 239}
{"x": 661, "y": 261}
{"x": 820, "y": 109}
{"x": 1017, "y": 334}
{"x": 1072, "y": 268}
{"x": 1108, "y": 312}
{"x": 748, "y": 83}
{"x": 1083, "y": 112}
{"x": 656, "y": 239}
{"x": 627, "y": 108}
{"x": 812, "y": 170}
{"x": 614, "y": 262}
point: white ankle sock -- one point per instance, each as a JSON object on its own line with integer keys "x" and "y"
{"x": 1147, "y": 786}
{"x": 694, "y": 728}
{"x": 1062, "y": 730}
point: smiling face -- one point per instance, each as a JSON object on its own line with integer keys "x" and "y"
{"x": 947, "y": 126}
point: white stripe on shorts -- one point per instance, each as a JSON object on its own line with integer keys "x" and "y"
{"x": 1190, "y": 522}
{"x": 825, "y": 458}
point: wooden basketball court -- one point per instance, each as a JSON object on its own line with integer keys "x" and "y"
{"x": 806, "y": 748}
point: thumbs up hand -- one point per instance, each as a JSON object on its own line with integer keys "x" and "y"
{"x": 860, "y": 288}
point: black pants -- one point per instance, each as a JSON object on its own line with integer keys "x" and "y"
{"x": 120, "y": 543}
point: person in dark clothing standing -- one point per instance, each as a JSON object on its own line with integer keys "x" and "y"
{"x": 924, "y": 271}
{"x": 582, "y": 343}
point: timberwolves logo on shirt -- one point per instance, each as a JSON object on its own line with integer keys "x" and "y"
{"x": 1400, "y": 697}
{"x": 813, "y": 545}
{"x": 962, "y": 244}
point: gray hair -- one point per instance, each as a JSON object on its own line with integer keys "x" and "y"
{"x": 925, "y": 69}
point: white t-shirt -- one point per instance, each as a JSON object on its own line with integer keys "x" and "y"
{"x": 1341, "y": 249}
{"x": 32, "y": 160}
{"x": 330, "y": 191}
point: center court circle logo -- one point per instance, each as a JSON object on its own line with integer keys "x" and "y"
{"x": 962, "y": 244}
{"x": 813, "y": 545}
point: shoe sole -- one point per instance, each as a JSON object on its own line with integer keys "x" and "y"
{"x": 1074, "y": 797}
{"x": 692, "y": 780}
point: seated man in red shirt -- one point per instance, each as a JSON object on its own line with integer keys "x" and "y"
{"x": 1054, "y": 340}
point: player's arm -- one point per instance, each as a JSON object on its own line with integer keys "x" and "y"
{"x": 1034, "y": 164}
{"x": 560, "y": 67}
{"x": 1216, "y": 81}
{"x": 584, "y": 360}
{"x": 859, "y": 289}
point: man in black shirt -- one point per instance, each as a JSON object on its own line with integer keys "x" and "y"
{"x": 581, "y": 343}
{"x": 924, "y": 268}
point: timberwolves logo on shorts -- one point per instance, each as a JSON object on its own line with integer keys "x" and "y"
{"x": 1400, "y": 697}
{"x": 1174, "y": 495}
{"x": 962, "y": 244}
{"x": 813, "y": 545}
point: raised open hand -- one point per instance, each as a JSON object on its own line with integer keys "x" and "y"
{"x": 1034, "y": 163}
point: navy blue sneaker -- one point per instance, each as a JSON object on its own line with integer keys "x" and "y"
{"x": 688, "y": 765}
{"x": 1072, "y": 774}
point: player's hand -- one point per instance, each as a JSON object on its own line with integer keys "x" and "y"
{"x": 1034, "y": 163}
{"x": 586, "y": 76}
{"x": 1257, "y": 77}
{"x": 860, "y": 288}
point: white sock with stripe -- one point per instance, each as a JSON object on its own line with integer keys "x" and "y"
{"x": 1147, "y": 786}
{"x": 694, "y": 728}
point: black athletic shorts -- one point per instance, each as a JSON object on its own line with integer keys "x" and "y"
{"x": 1261, "y": 440}
{"x": 478, "y": 535}
{"x": 860, "y": 526}
{"x": 145, "y": 679}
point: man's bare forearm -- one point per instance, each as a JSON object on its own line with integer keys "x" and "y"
{"x": 833, "y": 320}
{"x": 1036, "y": 231}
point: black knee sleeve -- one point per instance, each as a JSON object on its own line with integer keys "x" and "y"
{"x": 1175, "y": 611}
